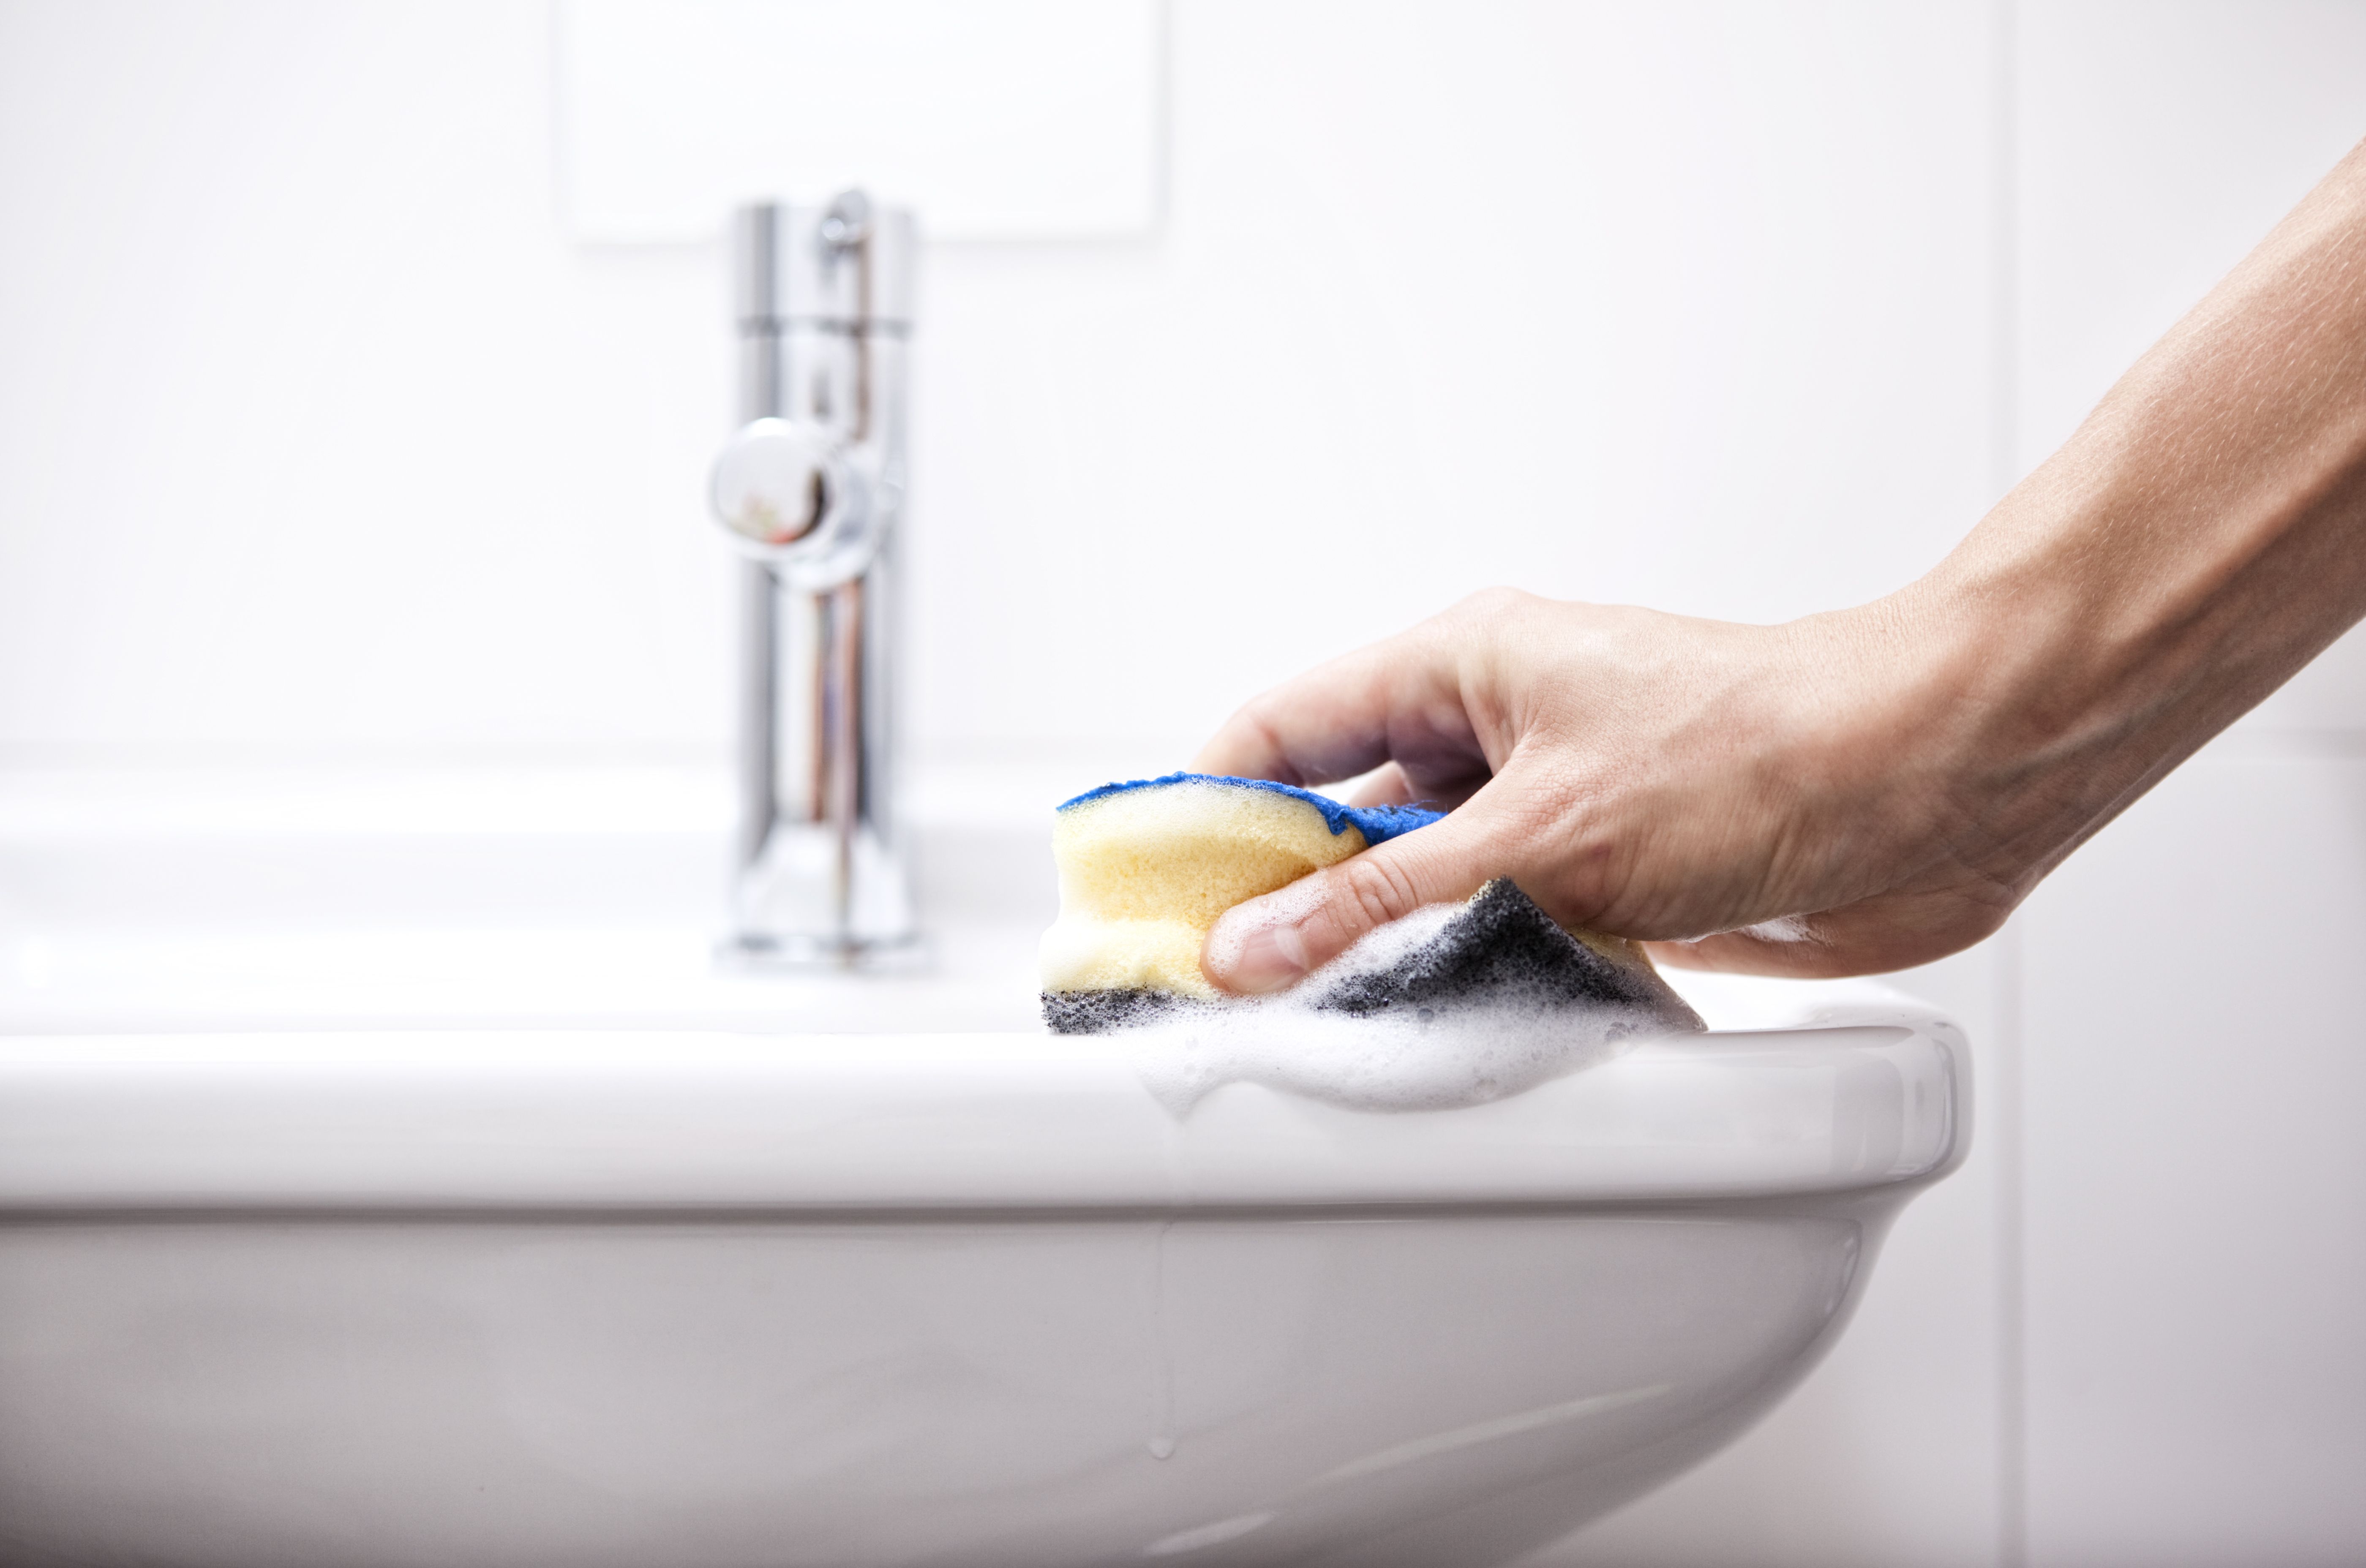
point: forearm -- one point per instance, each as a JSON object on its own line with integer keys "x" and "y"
{"x": 2201, "y": 538}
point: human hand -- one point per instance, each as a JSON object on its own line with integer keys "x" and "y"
{"x": 1785, "y": 800}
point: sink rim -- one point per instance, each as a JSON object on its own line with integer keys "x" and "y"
{"x": 1860, "y": 1089}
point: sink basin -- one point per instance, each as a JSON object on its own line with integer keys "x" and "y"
{"x": 521, "y": 898}
{"x": 372, "y": 1197}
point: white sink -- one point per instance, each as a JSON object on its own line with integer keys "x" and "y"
{"x": 382, "y": 1195}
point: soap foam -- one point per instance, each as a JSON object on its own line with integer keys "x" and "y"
{"x": 1350, "y": 1036}
{"x": 1785, "y": 928}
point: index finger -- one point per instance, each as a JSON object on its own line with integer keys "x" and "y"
{"x": 1396, "y": 701}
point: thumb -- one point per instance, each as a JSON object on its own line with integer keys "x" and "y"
{"x": 1269, "y": 943}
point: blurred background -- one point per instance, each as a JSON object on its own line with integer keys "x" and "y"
{"x": 360, "y": 365}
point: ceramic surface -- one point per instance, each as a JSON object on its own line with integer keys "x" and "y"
{"x": 389, "y": 1179}
{"x": 975, "y": 1299}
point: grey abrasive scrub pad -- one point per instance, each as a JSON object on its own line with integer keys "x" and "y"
{"x": 1499, "y": 954}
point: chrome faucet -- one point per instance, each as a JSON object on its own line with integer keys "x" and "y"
{"x": 810, "y": 489}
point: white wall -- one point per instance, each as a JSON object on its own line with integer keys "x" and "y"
{"x": 321, "y": 436}
{"x": 317, "y": 437}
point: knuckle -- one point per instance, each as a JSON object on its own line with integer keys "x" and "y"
{"x": 1491, "y": 603}
{"x": 1249, "y": 739}
{"x": 1257, "y": 721}
{"x": 1377, "y": 889}
{"x": 1255, "y": 716}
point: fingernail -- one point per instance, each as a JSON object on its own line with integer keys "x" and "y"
{"x": 1266, "y": 957}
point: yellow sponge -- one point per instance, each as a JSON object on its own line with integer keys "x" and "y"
{"x": 1146, "y": 868}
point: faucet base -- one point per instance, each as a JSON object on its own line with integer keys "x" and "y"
{"x": 814, "y": 900}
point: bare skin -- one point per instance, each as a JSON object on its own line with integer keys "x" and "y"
{"x": 1877, "y": 786}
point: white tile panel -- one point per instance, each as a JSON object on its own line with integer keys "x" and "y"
{"x": 2195, "y": 1062}
{"x": 998, "y": 120}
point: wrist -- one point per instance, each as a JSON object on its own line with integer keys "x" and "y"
{"x": 2059, "y": 683}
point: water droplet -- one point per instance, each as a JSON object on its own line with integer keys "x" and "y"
{"x": 1161, "y": 1447}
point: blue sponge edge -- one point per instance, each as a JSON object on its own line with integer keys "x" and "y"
{"x": 1377, "y": 823}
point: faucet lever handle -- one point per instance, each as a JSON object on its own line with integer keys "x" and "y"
{"x": 788, "y": 497}
{"x": 775, "y": 480}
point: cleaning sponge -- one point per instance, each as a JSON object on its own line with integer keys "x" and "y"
{"x": 1454, "y": 1004}
{"x": 1146, "y": 868}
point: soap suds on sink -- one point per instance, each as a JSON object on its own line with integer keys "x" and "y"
{"x": 1453, "y": 1005}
